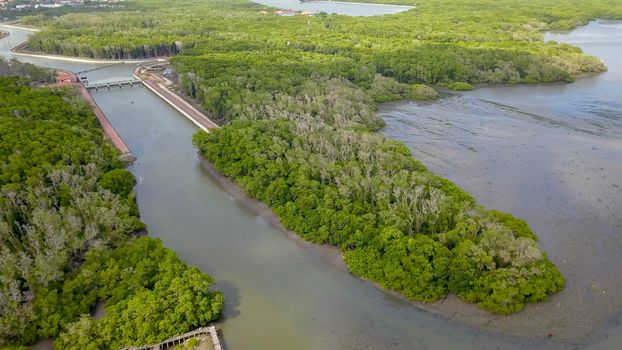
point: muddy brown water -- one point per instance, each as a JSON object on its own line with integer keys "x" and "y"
{"x": 526, "y": 150}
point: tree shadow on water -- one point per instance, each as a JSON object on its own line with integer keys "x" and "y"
{"x": 232, "y": 304}
{"x": 232, "y": 299}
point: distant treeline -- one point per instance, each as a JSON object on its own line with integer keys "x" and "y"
{"x": 29, "y": 71}
{"x": 89, "y": 6}
{"x": 559, "y": 15}
{"x": 68, "y": 220}
{"x": 438, "y": 42}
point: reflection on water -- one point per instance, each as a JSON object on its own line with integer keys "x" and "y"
{"x": 551, "y": 154}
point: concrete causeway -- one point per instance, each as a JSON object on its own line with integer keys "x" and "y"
{"x": 154, "y": 83}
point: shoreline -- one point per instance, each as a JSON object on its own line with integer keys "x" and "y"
{"x": 14, "y": 25}
{"x": 27, "y": 53}
{"x": 19, "y": 50}
{"x": 107, "y": 128}
{"x": 328, "y": 252}
{"x": 450, "y": 308}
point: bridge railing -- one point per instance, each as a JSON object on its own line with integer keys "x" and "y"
{"x": 98, "y": 68}
{"x": 108, "y": 84}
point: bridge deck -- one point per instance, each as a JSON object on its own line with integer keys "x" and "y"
{"x": 108, "y": 84}
{"x": 98, "y": 68}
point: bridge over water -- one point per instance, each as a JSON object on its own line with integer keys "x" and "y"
{"x": 109, "y": 84}
{"x": 98, "y": 68}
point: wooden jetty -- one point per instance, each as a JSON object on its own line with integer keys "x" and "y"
{"x": 209, "y": 331}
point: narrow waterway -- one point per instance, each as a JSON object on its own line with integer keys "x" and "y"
{"x": 280, "y": 294}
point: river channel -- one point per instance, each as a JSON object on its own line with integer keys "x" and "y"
{"x": 281, "y": 294}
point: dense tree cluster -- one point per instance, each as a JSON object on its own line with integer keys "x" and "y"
{"x": 257, "y": 86}
{"x": 12, "y": 13}
{"x": 437, "y": 42}
{"x": 150, "y": 296}
{"x": 559, "y": 15}
{"x": 43, "y": 127}
{"x": 398, "y": 224}
{"x": 65, "y": 200}
{"x": 27, "y": 70}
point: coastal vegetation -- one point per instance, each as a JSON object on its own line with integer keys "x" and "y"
{"x": 397, "y": 224}
{"x": 559, "y": 15}
{"x": 29, "y": 71}
{"x": 460, "y": 86}
{"x": 68, "y": 224}
{"x": 11, "y": 12}
{"x": 297, "y": 98}
{"x": 437, "y": 42}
